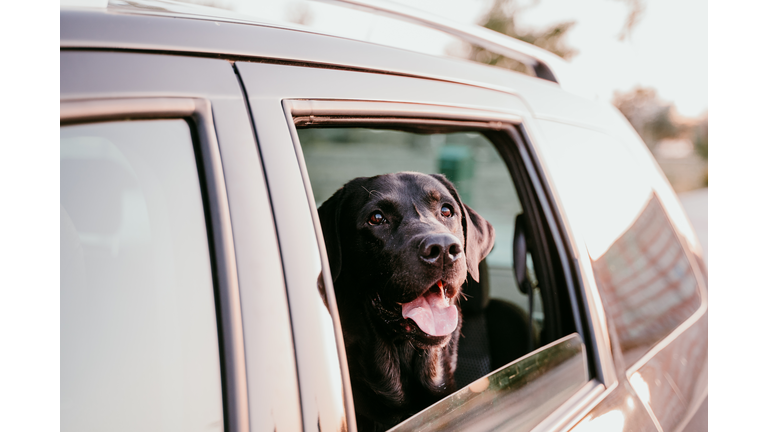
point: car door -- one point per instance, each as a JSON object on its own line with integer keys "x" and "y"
{"x": 290, "y": 103}
{"x": 173, "y": 306}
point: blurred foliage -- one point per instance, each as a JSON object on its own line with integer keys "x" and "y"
{"x": 700, "y": 143}
{"x": 636, "y": 10}
{"x": 501, "y": 18}
{"x": 656, "y": 120}
{"x": 701, "y": 137}
{"x": 651, "y": 117}
{"x": 300, "y": 13}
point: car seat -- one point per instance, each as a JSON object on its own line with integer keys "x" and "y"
{"x": 494, "y": 332}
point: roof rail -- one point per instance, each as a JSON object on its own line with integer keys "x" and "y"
{"x": 538, "y": 60}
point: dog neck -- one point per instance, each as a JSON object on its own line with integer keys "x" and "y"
{"x": 396, "y": 375}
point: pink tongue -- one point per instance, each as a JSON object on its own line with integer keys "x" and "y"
{"x": 433, "y": 314}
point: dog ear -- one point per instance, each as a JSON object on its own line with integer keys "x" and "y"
{"x": 330, "y": 218}
{"x": 479, "y": 234}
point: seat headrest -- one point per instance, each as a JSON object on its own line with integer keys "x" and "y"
{"x": 477, "y": 293}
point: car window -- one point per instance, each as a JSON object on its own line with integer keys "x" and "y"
{"x": 334, "y": 156}
{"x": 646, "y": 282}
{"x": 499, "y": 324}
{"x": 139, "y": 344}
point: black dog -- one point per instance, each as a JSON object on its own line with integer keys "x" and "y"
{"x": 400, "y": 247}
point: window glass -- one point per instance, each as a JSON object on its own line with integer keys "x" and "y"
{"x": 139, "y": 345}
{"x": 516, "y": 397}
{"x": 646, "y": 283}
{"x": 497, "y": 327}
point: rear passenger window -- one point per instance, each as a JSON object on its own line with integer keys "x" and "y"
{"x": 509, "y": 340}
{"x": 472, "y": 164}
{"x": 139, "y": 345}
{"x": 647, "y": 283}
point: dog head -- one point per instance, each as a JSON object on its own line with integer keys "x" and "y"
{"x": 400, "y": 248}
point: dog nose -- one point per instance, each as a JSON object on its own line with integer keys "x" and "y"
{"x": 440, "y": 249}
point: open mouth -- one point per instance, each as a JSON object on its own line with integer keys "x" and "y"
{"x": 433, "y": 312}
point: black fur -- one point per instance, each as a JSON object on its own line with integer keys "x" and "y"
{"x": 395, "y": 368}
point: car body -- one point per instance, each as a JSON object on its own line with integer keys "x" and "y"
{"x": 191, "y": 246}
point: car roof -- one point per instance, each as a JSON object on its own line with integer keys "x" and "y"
{"x": 539, "y": 62}
{"x": 174, "y": 27}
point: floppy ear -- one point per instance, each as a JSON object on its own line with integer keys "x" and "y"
{"x": 478, "y": 232}
{"x": 480, "y": 236}
{"x": 330, "y": 217}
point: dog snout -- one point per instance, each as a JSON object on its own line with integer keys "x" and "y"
{"x": 440, "y": 249}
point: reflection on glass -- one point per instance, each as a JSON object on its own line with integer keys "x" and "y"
{"x": 646, "y": 282}
{"x": 676, "y": 377}
{"x": 610, "y": 421}
{"x": 641, "y": 387}
{"x": 350, "y": 22}
{"x": 337, "y": 19}
{"x": 518, "y": 396}
{"x": 139, "y": 344}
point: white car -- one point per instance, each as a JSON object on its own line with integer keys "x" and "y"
{"x": 195, "y": 149}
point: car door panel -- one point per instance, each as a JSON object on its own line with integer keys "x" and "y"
{"x": 619, "y": 410}
{"x": 267, "y": 87}
{"x": 261, "y": 389}
{"x": 319, "y": 362}
{"x": 673, "y": 382}
{"x": 297, "y": 82}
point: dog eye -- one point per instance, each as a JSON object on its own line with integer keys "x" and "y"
{"x": 376, "y": 219}
{"x": 446, "y": 211}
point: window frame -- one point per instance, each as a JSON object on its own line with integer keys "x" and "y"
{"x": 527, "y": 175}
{"x": 198, "y": 114}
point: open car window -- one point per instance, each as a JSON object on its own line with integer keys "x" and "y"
{"x": 334, "y": 156}
{"x": 512, "y": 343}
